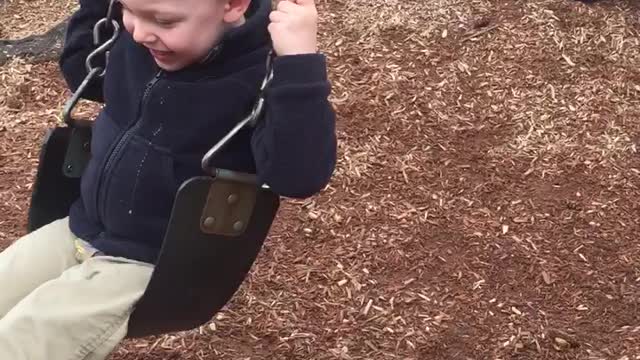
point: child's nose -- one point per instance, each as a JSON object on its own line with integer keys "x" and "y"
{"x": 142, "y": 35}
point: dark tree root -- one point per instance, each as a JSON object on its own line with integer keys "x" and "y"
{"x": 36, "y": 48}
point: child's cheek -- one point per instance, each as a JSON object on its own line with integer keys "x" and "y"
{"x": 127, "y": 21}
{"x": 174, "y": 40}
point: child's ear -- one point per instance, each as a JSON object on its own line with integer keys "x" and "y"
{"x": 234, "y": 10}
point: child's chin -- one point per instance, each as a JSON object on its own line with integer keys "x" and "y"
{"x": 169, "y": 66}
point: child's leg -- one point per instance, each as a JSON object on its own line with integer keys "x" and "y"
{"x": 83, "y": 314}
{"x": 33, "y": 260}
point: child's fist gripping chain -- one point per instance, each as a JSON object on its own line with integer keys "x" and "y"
{"x": 294, "y": 27}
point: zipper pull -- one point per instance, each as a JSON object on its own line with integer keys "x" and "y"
{"x": 150, "y": 84}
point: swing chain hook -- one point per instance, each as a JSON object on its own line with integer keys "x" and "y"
{"x": 104, "y": 25}
{"x": 251, "y": 119}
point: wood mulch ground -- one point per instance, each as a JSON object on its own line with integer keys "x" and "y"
{"x": 485, "y": 204}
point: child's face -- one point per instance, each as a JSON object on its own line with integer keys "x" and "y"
{"x": 180, "y": 32}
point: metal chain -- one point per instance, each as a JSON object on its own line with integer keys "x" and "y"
{"x": 250, "y": 120}
{"x": 259, "y": 105}
{"x": 99, "y": 28}
{"x": 102, "y": 48}
{"x": 106, "y": 20}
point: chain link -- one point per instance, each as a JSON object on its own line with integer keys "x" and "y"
{"x": 104, "y": 25}
{"x": 106, "y": 20}
{"x": 104, "y": 48}
{"x": 269, "y": 66}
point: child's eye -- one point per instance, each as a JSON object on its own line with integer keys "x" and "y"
{"x": 165, "y": 22}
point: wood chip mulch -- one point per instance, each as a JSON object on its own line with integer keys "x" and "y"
{"x": 485, "y": 203}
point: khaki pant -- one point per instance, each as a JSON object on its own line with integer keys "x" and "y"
{"x": 58, "y": 301}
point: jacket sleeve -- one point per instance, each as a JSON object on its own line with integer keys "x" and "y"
{"x": 294, "y": 144}
{"x": 78, "y": 44}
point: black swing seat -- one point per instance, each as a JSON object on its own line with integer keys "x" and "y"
{"x": 216, "y": 230}
{"x": 63, "y": 156}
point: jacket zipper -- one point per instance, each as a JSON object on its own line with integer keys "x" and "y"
{"x": 117, "y": 149}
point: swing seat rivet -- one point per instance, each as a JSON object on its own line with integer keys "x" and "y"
{"x": 209, "y": 222}
{"x": 232, "y": 199}
{"x": 238, "y": 225}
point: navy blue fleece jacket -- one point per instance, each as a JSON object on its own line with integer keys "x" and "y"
{"x": 156, "y": 126}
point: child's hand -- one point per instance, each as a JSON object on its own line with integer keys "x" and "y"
{"x": 294, "y": 27}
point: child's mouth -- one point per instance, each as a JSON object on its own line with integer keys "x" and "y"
{"x": 160, "y": 55}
